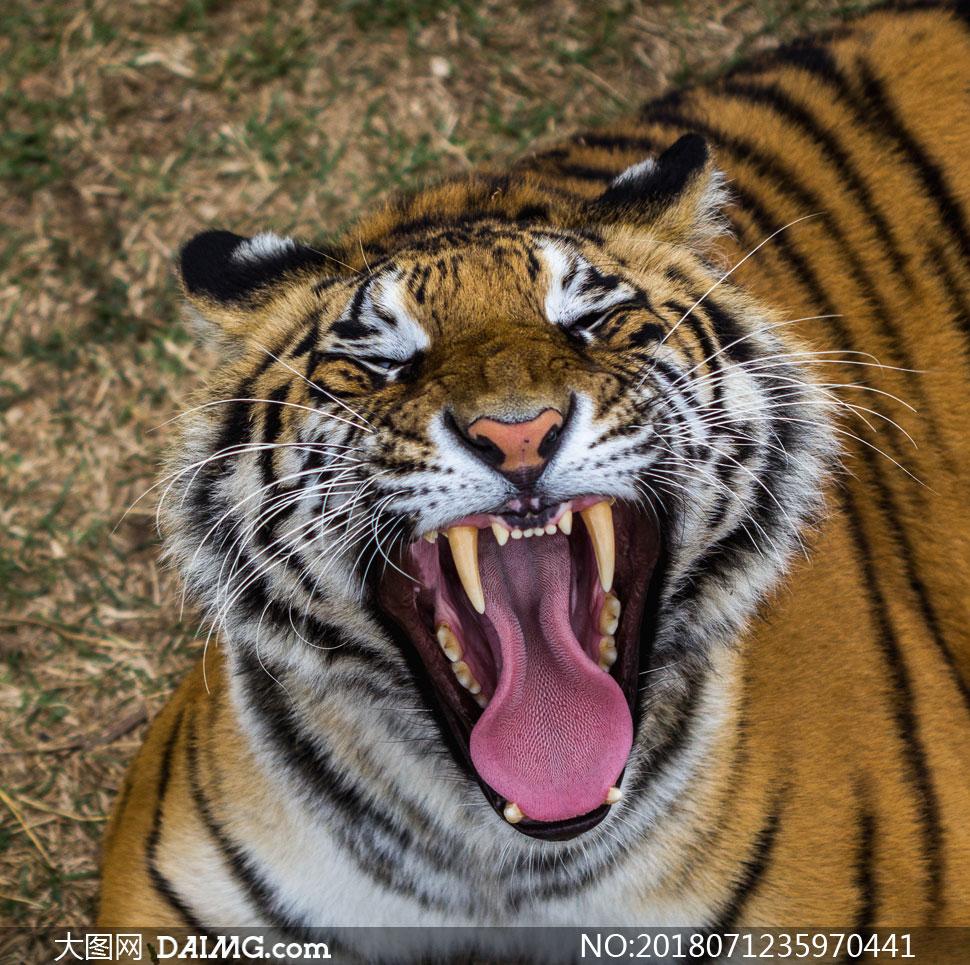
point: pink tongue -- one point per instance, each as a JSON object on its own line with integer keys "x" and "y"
{"x": 558, "y": 731}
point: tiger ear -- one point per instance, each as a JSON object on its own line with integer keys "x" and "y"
{"x": 228, "y": 278}
{"x": 679, "y": 194}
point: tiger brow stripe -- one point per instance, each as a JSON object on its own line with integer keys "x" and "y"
{"x": 309, "y": 341}
{"x": 767, "y": 225}
{"x": 161, "y": 883}
{"x": 350, "y": 327}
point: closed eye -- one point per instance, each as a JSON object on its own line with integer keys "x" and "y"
{"x": 587, "y": 323}
{"x": 385, "y": 365}
{"x": 381, "y": 364}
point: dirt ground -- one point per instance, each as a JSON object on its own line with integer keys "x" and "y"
{"x": 128, "y": 126}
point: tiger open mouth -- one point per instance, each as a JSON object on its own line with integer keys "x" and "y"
{"x": 528, "y": 623}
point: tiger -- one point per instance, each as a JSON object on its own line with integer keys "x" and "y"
{"x": 588, "y": 541}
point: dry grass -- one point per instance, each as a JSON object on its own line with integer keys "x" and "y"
{"x": 131, "y": 125}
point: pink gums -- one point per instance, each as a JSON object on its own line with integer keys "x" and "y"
{"x": 557, "y": 732}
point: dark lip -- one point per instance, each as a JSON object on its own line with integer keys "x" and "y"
{"x": 539, "y": 516}
{"x": 638, "y": 550}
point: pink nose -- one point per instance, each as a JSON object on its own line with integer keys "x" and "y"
{"x": 521, "y": 443}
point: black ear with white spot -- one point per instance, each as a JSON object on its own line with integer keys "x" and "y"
{"x": 228, "y": 278}
{"x": 225, "y": 267}
{"x": 680, "y": 192}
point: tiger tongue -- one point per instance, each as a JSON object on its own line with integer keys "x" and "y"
{"x": 557, "y": 731}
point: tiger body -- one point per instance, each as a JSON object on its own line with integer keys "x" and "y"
{"x": 800, "y": 750}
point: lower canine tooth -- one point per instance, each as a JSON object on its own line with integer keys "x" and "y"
{"x": 599, "y": 522}
{"x": 613, "y": 795}
{"x": 607, "y": 652}
{"x": 464, "y": 551}
{"x": 610, "y": 615}
{"x": 449, "y": 643}
{"x": 466, "y": 678}
{"x": 500, "y": 533}
{"x": 513, "y": 814}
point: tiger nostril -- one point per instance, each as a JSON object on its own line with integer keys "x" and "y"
{"x": 487, "y": 448}
{"x": 516, "y": 447}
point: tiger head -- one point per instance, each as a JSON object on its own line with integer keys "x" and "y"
{"x": 529, "y": 456}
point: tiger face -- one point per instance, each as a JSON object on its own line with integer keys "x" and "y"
{"x": 548, "y": 461}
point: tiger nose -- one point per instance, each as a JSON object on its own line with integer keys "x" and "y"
{"x": 518, "y": 448}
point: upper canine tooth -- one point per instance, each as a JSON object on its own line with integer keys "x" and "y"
{"x": 566, "y": 522}
{"x": 599, "y": 522}
{"x": 449, "y": 643}
{"x": 610, "y": 615}
{"x": 464, "y": 551}
{"x": 500, "y": 533}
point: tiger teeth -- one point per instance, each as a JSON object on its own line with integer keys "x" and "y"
{"x": 448, "y": 642}
{"x": 513, "y": 813}
{"x": 607, "y": 648}
{"x": 465, "y": 677}
{"x": 613, "y": 795}
{"x": 481, "y": 700}
{"x": 610, "y": 615}
{"x": 500, "y": 533}
{"x": 464, "y": 551}
{"x": 599, "y": 523}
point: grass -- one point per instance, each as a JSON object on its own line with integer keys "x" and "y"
{"x": 128, "y": 128}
